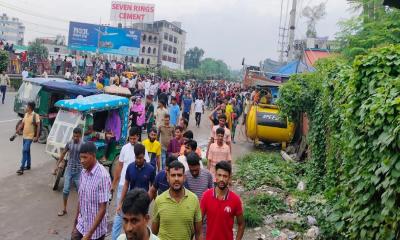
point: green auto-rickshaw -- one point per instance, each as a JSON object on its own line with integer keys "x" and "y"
{"x": 45, "y": 92}
{"x": 107, "y": 113}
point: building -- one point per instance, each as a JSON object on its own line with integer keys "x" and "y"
{"x": 11, "y": 30}
{"x": 168, "y": 39}
{"x": 316, "y": 43}
{"x": 172, "y": 46}
{"x": 149, "y": 48}
{"x": 55, "y": 46}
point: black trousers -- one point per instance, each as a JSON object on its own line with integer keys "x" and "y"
{"x": 198, "y": 118}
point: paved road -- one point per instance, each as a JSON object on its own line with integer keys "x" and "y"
{"x": 28, "y": 206}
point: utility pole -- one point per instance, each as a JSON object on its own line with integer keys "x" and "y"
{"x": 292, "y": 27}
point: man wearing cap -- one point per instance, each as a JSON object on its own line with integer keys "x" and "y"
{"x": 93, "y": 195}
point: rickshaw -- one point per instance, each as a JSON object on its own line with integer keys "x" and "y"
{"x": 75, "y": 113}
{"x": 263, "y": 122}
{"x": 45, "y": 92}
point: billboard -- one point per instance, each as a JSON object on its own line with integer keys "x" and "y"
{"x": 128, "y": 13}
{"x": 82, "y": 36}
{"x": 103, "y": 39}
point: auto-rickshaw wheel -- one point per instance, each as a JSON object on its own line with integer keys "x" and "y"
{"x": 16, "y": 127}
{"x": 44, "y": 133}
{"x": 113, "y": 166}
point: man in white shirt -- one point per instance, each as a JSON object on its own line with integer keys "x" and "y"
{"x": 147, "y": 85}
{"x": 25, "y": 73}
{"x": 153, "y": 89}
{"x": 126, "y": 157}
{"x": 198, "y": 109}
{"x": 67, "y": 74}
{"x": 73, "y": 64}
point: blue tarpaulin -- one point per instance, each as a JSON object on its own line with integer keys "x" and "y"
{"x": 40, "y": 81}
{"x": 70, "y": 88}
{"x": 294, "y": 67}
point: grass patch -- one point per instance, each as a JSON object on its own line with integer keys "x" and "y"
{"x": 259, "y": 168}
{"x": 261, "y": 205}
{"x": 293, "y": 226}
{"x": 268, "y": 204}
{"x": 252, "y": 217}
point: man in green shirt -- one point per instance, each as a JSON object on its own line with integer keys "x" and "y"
{"x": 177, "y": 214}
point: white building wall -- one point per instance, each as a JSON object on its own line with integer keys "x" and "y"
{"x": 11, "y": 30}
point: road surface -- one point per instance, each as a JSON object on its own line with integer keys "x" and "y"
{"x": 28, "y": 206}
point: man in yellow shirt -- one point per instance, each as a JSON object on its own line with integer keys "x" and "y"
{"x": 153, "y": 147}
{"x": 31, "y": 129}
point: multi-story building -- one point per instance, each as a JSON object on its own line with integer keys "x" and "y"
{"x": 164, "y": 41}
{"x": 11, "y": 30}
{"x": 172, "y": 46}
{"x": 55, "y": 46}
{"x": 149, "y": 48}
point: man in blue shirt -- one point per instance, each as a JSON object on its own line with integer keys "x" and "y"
{"x": 187, "y": 105}
{"x": 174, "y": 112}
{"x": 161, "y": 183}
{"x": 139, "y": 174}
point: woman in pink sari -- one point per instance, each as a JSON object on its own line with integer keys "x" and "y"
{"x": 138, "y": 114}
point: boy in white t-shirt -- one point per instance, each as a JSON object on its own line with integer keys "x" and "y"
{"x": 198, "y": 109}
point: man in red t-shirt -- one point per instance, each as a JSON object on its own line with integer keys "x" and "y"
{"x": 220, "y": 206}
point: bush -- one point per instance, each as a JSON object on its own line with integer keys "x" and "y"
{"x": 354, "y": 140}
{"x": 268, "y": 204}
{"x": 258, "y": 169}
{"x": 3, "y": 60}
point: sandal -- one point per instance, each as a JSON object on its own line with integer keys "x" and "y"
{"x": 62, "y": 213}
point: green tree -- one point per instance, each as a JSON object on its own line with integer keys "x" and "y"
{"x": 214, "y": 69}
{"x": 193, "y": 57}
{"x": 374, "y": 27}
{"x": 3, "y": 61}
{"x": 37, "y": 51}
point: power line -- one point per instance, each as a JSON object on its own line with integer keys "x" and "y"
{"x": 28, "y": 12}
{"x": 44, "y": 26}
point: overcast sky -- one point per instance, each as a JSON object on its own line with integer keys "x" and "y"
{"x": 225, "y": 29}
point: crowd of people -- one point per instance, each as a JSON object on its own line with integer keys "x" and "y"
{"x": 191, "y": 198}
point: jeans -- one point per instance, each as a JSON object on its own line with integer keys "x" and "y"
{"x": 163, "y": 159}
{"x": 3, "y": 90}
{"x": 68, "y": 177}
{"x": 117, "y": 225}
{"x": 26, "y": 153}
{"x": 186, "y": 115}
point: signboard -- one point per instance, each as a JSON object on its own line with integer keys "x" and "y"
{"x": 104, "y": 39}
{"x": 120, "y": 41}
{"x": 128, "y": 13}
{"x": 82, "y": 36}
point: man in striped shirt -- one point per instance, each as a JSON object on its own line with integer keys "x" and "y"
{"x": 94, "y": 188}
{"x": 74, "y": 167}
{"x": 198, "y": 179}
